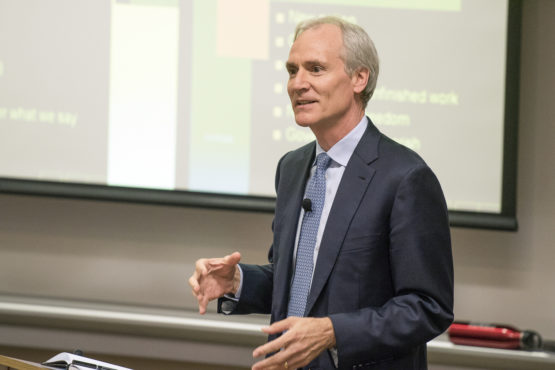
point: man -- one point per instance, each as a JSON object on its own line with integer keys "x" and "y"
{"x": 360, "y": 273}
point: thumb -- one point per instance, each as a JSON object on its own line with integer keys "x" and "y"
{"x": 232, "y": 259}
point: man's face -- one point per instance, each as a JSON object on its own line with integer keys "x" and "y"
{"x": 321, "y": 92}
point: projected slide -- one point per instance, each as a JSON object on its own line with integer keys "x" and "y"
{"x": 192, "y": 95}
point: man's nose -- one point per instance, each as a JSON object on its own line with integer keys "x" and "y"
{"x": 299, "y": 81}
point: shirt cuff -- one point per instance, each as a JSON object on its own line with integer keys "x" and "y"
{"x": 334, "y": 356}
{"x": 235, "y": 297}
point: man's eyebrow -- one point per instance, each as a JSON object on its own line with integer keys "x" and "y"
{"x": 313, "y": 63}
{"x": 309, "y": 63}
{"x": 289, "y": 65}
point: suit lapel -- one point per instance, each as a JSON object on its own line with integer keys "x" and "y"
{"x": 353, "y": 185}
{"x": 293, "y": 183}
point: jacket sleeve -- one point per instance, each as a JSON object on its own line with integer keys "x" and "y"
{"x": 256, "y": 295}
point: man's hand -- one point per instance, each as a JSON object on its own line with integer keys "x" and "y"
{"x": 304, "y": 339}
{"x": 214, "y": 277}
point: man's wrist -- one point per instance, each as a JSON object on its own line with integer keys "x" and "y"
{"x": 329, "y": 333}
{"x": 236, "y": 284}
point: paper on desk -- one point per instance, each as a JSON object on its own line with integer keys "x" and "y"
{"x": 64, "y": 359}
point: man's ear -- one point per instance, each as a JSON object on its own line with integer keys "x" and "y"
{"x": 360, "y": 79}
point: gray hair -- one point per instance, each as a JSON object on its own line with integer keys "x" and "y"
{"x": 359, "y": 50}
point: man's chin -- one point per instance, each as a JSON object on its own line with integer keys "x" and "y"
{"x": 303, "y": 121}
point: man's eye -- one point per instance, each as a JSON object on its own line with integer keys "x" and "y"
{"x": 317, "y": 69}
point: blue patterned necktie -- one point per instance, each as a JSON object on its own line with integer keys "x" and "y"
{"x": 304, "y": 266}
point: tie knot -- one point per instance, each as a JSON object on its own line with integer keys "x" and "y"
{"x": 322, "y": 161}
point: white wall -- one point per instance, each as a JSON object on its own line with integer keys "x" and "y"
{"x": 509, "y": 277}
{"x": 139, "y": 254}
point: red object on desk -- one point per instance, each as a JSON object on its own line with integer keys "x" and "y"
{"x": 493, "y": 335}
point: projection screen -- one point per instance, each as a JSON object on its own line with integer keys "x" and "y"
{"x": 160, "y": 101}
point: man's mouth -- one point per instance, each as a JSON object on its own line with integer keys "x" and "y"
{"x": 304, "y": 102}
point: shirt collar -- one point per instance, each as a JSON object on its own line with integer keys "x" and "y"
{"x": 342, "y": 151}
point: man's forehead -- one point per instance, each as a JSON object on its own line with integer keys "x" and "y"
{"x": 316, "y": 45}
{"x": 326, "y": 36}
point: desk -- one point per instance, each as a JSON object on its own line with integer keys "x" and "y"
{"x": 16, "y": 364}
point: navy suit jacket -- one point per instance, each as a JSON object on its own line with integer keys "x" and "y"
{"x": 384, "y": 272}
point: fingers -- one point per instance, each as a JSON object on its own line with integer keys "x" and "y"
{"x": 194, "y": 282}
{"x": 276, "y": 361}
{"x": 296, "y": 356}
{"x": 195, "y": 287}
{"x": 200, "y": 270}
{"x": 202, "y": 304}
{"x": 303, "y": 339}
{"x": 214, "y": 264}
{"x": 280, "y": 326}
{"x": 270, "y": 347}
{"x": 202, "y": 282}
{"x": 278, "y": 343}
